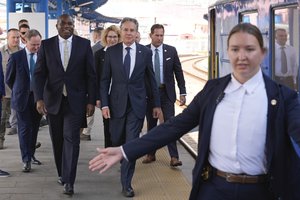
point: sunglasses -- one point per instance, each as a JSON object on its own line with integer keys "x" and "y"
{"x": 23, "y": 33}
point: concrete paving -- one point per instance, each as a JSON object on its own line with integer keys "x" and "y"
{"x": 40, "y": 184}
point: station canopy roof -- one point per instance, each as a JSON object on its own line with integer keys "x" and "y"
{"x": 87, "y": 9}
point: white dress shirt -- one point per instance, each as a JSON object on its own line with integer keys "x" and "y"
{"x": 291, "y": 58}
{"x": 132, "y": 56}
{"x": 28, "y": 53}
{"x": 160, "y": 53}
{"x": 238, "y": 135}
{"x": 62, "y": 46}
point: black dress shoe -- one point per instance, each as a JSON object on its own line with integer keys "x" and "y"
{"x": 128, "y": 192}
{"x": 60, "y": 181}
{"x": 38, "y": 145}
{"x": 68, "y": 189}
{"x": 35, "y": 161}
{"x": 26, "y": 167}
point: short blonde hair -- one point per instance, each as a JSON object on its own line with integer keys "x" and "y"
{"x": 105, "y": 33}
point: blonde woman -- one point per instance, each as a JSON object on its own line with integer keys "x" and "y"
{"x": 109, "y": 37}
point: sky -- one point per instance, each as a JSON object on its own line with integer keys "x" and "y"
{"x": 177, "y": 16}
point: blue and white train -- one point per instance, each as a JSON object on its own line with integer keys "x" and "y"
{"x": 268, "y": 16}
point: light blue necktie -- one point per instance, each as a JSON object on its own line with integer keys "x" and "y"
{"x": 157, "y": 67}
{"x": 127, "y": 61}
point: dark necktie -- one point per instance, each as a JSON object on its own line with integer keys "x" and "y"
{"x": 32, "y": 65}
{"x": 31, "y": 70}
{"x": 127, "y": 61}
{"x": 283, "y": 61}
{"x": 157, "y": 67}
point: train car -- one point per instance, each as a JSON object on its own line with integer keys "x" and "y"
{"x": 271, "y": 17}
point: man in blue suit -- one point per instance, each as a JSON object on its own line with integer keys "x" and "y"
{"x": 123, "y": 92}
{"x": 19, "y": 77}
{"x": 65, "y": 90}
{"x": 246, "y": 123}
{"x": 166, "y": 66}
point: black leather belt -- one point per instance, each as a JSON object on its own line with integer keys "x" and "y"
{"x": 241, "y": 178}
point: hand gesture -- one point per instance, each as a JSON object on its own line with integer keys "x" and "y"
{"x": 105, "y": 159}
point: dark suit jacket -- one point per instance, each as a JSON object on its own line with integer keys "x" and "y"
{"x": 79, "y": 78}
{"x": 123, "y": 88}
{"x": 171, "y": 67}
{"x": 2, "y": 85}
{"x": 18, "y": 80}
{"x": 283, "y": 123}
{"x": 99, "y": 64}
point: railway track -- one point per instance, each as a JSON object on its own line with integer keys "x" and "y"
{"x": 196, "y": 75}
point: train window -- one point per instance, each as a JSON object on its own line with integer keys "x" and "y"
{"x": 286, "y": 46}
{"x": 250, "y": 17}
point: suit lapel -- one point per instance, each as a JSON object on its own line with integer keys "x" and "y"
{"x": 74, "y": 48}
{"x": 24, "y": 58}
{"x": 165, "y": 56}
{"x": 273, "y": 105}
{"x": 57, "y": 51}
{"x": 137, "y": 60}
{"x": 118, "y": 55}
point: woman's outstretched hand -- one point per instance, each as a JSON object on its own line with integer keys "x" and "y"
{"x": 105, "y": 159}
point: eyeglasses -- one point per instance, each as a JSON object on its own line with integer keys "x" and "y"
{"x": 23, "y": 33}
{"x": 112, "y": 37}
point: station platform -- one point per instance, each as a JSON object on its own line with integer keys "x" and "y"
{"x": 151, "y": 181}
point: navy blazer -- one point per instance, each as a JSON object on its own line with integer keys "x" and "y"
{"x": 122, "y": 88}
{"x": 79, "y": 78}
{"x": 2, "y": 86}
{"x": 18, "y": 80}
{"x": 99, "y": 63}
{"x": 171, "y": 67}
{"x": 283, "y": 122}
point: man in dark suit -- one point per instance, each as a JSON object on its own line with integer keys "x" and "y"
{"x": 166, "y": 64}
{"x": 246, "y": 124}
{"x": 65, "y": 90}
{"x": 126, "y": 66}
{"x": 19, "y": 78}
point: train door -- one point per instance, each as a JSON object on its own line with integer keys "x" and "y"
{"x": 213, "y": 54}
{"x": 285, "y": 45}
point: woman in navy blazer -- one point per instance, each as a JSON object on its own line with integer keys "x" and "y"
{"x": 278, "y": 177}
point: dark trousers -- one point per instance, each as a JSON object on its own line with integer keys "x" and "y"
{"x": 65, "y": 135}
{"x": 168, "y": 111}
{"x": 28, "y": 127}
{"x": 107, "y": 138}
{"x": 217, "y": 188}
{"x": 123, "y": 130}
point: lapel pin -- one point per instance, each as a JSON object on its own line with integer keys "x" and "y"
{"x": 140, "y": 52}
{"x": 165, "y": 50}
{"x": 273, "y": 102}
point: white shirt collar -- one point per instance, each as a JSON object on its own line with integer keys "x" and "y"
{"x": 249, "y": 85}
{"x": 133, "y": 46}
{"x": 159, "y": 47}
{"x": 62, "y": 39}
